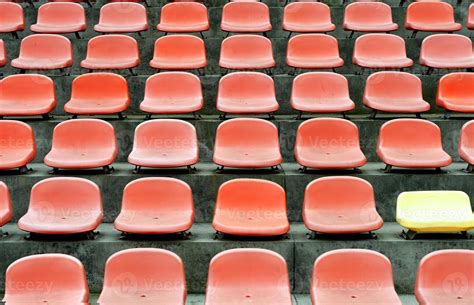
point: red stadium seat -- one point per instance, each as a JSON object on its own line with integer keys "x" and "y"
{"x": 98, "y": 93}
{"x": 27, "y": 95}
{"x": 307, "y": 17}
{"x": 11, "y": 17}
{"x": 247, "y": 143}
{"x": 313, "y": 51}
{"x": 438, "y": 270}
{"x": 6, "y": 209}
{"x": 183, "y": 17}
{"x": 369, "y": 17}
{"x": 165, "y": 143}
{"x": 111, "y": 52}
{"x": 431, "y": 17}
{"x": 89, "y": 2}
{"x": 447, "y": 51}
{"x": 179, "y": 52}
{"x": 246, "y": 17}
{"x": 156, "y": 206}
{"x": 470, "y": 18}
{"x": 246, "y": 93}
{"x": 3, "y": 54}
{"x": 44, "y": 52}
{"x": 60, "y": 18}
{"x": 411, "y": 143}
{"x": 347, "y": 267}
{"x": 63, "y": 274}
{"x": 236, "y": 53}
{"x": 251, "y": 207}
{"x": 18, "y": 148}
{"x": 157, "y": 276}
{"x": 340, "y": 205}
{"x": 82, "y": 144}
{"x": 321, "y": 92}
{"x": 122, "y": 17}
{"x": 455, "y": 92}
{"x": 63, "y": 205}
{"x": 256, "y": 276}
{"x": 328, "y": 143}
{"x": 164, "y": 94}
{"x": 397, "y": 92}
{"x": 466, "y": 145}
{"x": 379, "y": 51}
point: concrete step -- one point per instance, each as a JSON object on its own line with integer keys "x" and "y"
{"x": 283, "y": 84}
{"x": 298, "y": 299}
{"x": 287, "y": 125}
{"x": 299, "y": 252}
{"x": 205, "y": 183}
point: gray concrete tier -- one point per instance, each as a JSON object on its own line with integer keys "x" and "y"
{"x": 283, "y": 88}
{"x": 206, "y": 182}
{"x": 287, "y": 125}
{"x": 299, "y": 252}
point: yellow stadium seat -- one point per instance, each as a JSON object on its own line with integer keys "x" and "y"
{"x": 434, "y": 212}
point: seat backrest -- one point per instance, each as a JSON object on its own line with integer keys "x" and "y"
{"x": 16, "y": 135}
{"x": 11, "y": 12}
{"x": 179, "y": 46}
{"x": 307, "y": 12}
{"x": 46, "y": 46}
{"x": 62, "y": 280}
{"x": 61, "y": 13}
{"x": 120, "y": 13}
{"x": 379, "y": 45}
{"x": 244, "y": 85}
{"x": 320, "y": 85}
{"x": 242, "y": 269}
{"x": 237, "y": 46}
{"x": 449, "y": 271}
{"x": 446, "y": 46}
{"x": 168, "y": 85}
{"x": 393, "y": 85}
{"x": 430, "y": 12}
{"x": 409, "y": 133}
{"x": 339, "y": 193}
{"x": 466, "y": 138}
{"x": 470, "y": 15}
{"x": 142, "y": 272}
{"x": 113, "y": 46}
{"x": 247, "y": 132}
{"x": 444, "y": 203}
{"x": 346, "y": 266}
{"x": 457, "y": 85}
{"x": 27, "y": 87}
{"x": 245, "y": 12}
{"x": 368, "y": 13}
{"x": 97, "y": 86}
{"x": 169, "y": 134}
{"x": 330, "y": 134}
{"x": 3, "y": 53}
{"x": 255, "y": 195}
{"x": 6, "y": 209}
{"x": 314, "y": 45}
{"x": 65, "y": 196}
{"x": 84, "y": 134}
{"x": 165, "y": 194}
{"x": 183, "y": 13}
